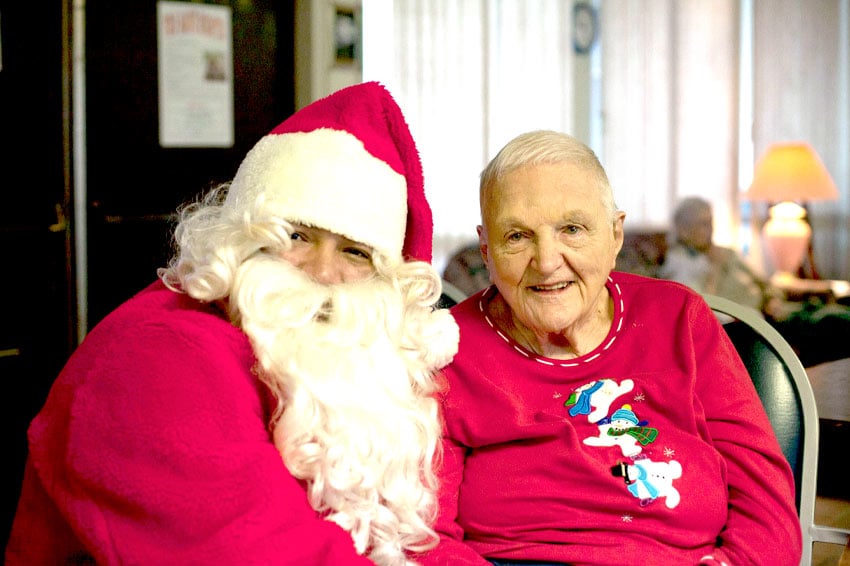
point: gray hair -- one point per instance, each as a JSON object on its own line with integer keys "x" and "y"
{"x": 546, "y": 147}
{"x": 687, "y": 209}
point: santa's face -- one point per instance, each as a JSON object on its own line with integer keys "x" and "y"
{"x": 347, "y": 336}
{"x": 328, "y": 258}
{"x": 352, "y": 419}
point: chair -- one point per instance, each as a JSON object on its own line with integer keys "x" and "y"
{"x": 786, "y": 393}
{"x": 466, "y": 269}
{"x": 450, "y": 296}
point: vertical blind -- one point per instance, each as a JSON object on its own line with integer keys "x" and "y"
{"x": 681, "y": 109}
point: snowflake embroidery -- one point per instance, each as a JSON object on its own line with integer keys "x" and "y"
{"x": 627, "y": 518}
{"x": 557, "y": 395}
{"x": 669, "y": 452}
{"x": 639, "y": 397}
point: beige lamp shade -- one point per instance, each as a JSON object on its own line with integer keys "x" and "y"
{"x": 786, "y": 175}
{"x": 791, "y": 172}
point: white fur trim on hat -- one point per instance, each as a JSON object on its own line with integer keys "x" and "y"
{"x": 325, "y": 178}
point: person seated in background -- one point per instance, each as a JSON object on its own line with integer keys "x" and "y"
{"x": 467, "y": 271}
{"x": 694, "y": 260}
{"x": 814, "y": 330}
{"x": 271, "y": 398}
{"x": 594, "y": 416}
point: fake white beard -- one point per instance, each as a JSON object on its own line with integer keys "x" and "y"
{"x": 356, "y": 422}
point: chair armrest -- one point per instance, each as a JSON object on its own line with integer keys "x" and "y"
{"x": 833, "y": 535}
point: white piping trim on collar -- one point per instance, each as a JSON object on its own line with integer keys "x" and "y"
{"x": 618, "y": 326}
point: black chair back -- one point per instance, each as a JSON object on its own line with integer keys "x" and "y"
{"x": 778, "y": 392}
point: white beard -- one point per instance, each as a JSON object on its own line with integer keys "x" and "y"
{"x": 357, "y": 416}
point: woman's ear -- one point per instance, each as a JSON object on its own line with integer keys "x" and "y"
{"x": 619, "y": 235}
{"x": 482, "y": 242}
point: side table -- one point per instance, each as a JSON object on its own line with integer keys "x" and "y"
{"x": 831, "y": 386}
{"x": 796, "y": 289}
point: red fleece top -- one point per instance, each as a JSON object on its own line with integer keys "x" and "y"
{"x": 652, "y": 449}
{"x": 153, "y": 448}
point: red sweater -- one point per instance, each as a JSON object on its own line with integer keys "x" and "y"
{"x": 652, "y": 449}
{"x": 153, "y": 448}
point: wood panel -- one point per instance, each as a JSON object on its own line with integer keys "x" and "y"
{"x": 36, "y": 329}
{"x": 134, "y": 185}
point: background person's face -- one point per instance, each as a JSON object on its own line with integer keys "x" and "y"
{"x": 328, "y": 257}
{"x": 698, "y": 231}
{"x": 550, "y": 244}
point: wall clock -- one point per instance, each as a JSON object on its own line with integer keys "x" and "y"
{"x": 585, "y": 27}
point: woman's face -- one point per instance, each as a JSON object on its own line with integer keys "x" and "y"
{"x": 550, "y": 244}
{"x": 328, "y": 257}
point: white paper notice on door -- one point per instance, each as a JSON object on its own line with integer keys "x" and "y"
{"x": 195, "y": 68}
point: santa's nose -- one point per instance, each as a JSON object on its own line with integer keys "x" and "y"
{"x": 323, "y": 265}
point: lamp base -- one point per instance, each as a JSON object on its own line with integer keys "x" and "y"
{"x": 787, "y": 236}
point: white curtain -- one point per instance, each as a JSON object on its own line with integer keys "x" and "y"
{"x": 802, "y": 92}
{"x": 680, "y": 108}
{"x": 470, "y": 75}
{"x": 669, "y": 107}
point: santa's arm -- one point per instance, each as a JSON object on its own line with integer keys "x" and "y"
{"x": 159, "y": 452}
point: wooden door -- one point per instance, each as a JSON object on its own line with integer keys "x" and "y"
{"x": 133, "y": 185}
{"x": 37, "y": 328}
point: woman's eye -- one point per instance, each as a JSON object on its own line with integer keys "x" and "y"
{"x": 297, "y": 236}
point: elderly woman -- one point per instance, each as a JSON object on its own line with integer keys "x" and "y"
{"x": 591, "y": 416}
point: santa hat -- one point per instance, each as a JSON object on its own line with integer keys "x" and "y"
{"x": 348, "y": 164}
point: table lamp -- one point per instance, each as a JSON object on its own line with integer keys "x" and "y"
{"x": 788, "y": 176}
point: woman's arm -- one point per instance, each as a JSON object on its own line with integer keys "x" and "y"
{"x": 763, "y": 526}
{"x": 451, "y": 548}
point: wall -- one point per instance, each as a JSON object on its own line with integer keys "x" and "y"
{"x": 318, "y": 74}
{"x": 318, "y": 70}
{"x": 78, "y": 108}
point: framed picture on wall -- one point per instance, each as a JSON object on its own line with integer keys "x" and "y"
{"x": 585, "y": 27}
{"x": 346, "y": 35}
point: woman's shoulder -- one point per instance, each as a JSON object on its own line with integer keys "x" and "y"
{"x": 647, "y": 284}
{"x": 473, "y": 304}
{"x": 648, "y": 291}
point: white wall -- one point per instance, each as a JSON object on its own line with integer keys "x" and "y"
{"x": 317, "y": 72}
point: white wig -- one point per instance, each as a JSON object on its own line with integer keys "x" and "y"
{"x": 352, "y": 367}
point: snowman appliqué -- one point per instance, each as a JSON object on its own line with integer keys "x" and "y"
{"x": 622, "y": 429}
{"x": 646, "y": 479}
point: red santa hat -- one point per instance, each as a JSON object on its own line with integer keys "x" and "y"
{"x": 348, "y": 164}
